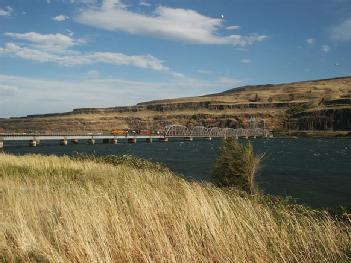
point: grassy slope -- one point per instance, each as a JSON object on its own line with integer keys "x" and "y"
{"x": 58, "y": 210}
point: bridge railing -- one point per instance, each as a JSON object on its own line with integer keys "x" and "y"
{"x": 169, "y": 131}
{"x": 200, "y": 131}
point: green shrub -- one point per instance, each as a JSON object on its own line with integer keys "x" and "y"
{"x": 236, "y": 166}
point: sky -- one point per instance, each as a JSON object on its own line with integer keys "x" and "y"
{"x": 57, "y": 55}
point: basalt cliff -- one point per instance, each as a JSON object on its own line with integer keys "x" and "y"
{"x": 309, "y": 105}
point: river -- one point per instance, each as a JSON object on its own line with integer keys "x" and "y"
{"x": 316, "y": 172}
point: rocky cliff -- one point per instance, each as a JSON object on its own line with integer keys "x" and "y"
{"x": 321, "y": 104}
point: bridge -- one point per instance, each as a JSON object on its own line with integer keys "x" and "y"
{"x": 171, "y": 131}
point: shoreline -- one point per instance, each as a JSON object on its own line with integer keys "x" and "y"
{"x": 311, "y": 134}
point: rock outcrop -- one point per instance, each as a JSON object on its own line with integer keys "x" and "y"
{"x": 318, "y": 105}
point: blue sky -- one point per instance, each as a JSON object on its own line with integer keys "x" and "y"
{"x": 56, "y": 55}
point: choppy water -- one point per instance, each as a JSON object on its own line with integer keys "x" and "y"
{"x": 314, "y": 171}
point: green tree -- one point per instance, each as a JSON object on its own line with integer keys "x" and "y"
{"x": 236, "y": 166}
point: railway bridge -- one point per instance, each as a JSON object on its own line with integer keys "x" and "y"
{"x": 170, "y": 131}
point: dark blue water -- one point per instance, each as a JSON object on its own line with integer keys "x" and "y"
{"x": 316, "y": 172}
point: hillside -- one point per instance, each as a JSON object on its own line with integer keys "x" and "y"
{"x": 308, "y": 105}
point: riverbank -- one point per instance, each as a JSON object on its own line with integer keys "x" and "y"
{"x": 55, "y": 209}
{"x": 311, "y": 134}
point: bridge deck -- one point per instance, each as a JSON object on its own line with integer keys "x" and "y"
{"x": 70, "y": 137}
{"x": 171, "y": 131}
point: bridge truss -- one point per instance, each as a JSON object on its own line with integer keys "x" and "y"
{"x": 200, "y": 131}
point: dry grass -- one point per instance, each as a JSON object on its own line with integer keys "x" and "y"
{"x": 58, "y": 210}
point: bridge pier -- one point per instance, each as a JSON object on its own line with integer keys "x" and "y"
{"x": 163, "y": 139}
{"x": 33, "y": 143}
{"x": 74, "y": 141}
{"x": 63, "y": 142}
{"x": 91, "y": 141}
{"x": 208, "y": 138}
{"x": 149, "y": 140}
{"x": 1, "y": 145}
{"x": 113, "y": 141}
{"x": 132, "y": 140}
{"x": 188, "y": 139}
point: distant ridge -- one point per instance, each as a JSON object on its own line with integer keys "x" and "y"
{"x": 312, "y": 104}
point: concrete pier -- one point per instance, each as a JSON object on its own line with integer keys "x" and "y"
{"x": 33, "y": 143}
{"x": 91, "y": 141}
{"x": 163, "y": 139}
{"x": 113, "y": 141}
{"x": 132, "y": 140}
{"x": 188, "y": 139}
{"x": 63, "y": 142}
{"x": 149, "y": 140}
{"x": 208, "y": 138}
{"x": 74, "y": 141}
{"x": 1, "y": 145}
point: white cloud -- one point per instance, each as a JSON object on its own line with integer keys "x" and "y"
{"x": 310, "y": 41}
{"x": 7, "y": 91}
{"x": 205, "y": 71}
{"x": 52, "y": 42}
{"x": 56, "y": 48}
{"x": 78, "y": 58}
{"x": 341, "y": 32}
{"x": 70, "y": 32}
{"x": 84, "y": 2}
{"x": 246, "y": 61}
{"x": 60, "y": 18}
{"x": 325, "y": 48}
{"x": 178, "y": 24}
{"x": 232, "y": 27}
{"x": 31, "y": 95}
{"x": 144, "y": 3}
{"x": 93, "y": 73}
{"x": 229, "y": 81}
{"x": 7, "y": 11}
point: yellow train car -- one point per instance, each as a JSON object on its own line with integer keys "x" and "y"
{"x": 119, "y": 132}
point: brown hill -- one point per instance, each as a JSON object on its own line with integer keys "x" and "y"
{"x": 320, "y": 104}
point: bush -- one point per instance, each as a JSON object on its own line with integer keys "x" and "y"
{"x": 237, "y": 166}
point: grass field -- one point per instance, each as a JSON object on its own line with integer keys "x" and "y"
{"x": 55, "y": 209}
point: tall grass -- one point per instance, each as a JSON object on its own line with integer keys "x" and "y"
{"x": 55, "y": 209}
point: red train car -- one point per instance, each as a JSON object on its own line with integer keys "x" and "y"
{"x": 145, "y": 132}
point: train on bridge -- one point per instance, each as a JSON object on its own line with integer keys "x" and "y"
{"x": 131, "y": 136}
{"x": 135, "y": 132}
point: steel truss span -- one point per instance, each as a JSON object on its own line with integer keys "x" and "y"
{"x": 201, "y": 131}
